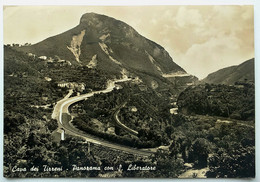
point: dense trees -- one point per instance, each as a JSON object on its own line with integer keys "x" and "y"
{"x": 236, "y": 102}
{"x": 148, "y": 117}
{"x": 226, "y": 146}
{"x": 233, "y": 164}
{"x": 28, "y": 102}
{"x": 192, "y": 138}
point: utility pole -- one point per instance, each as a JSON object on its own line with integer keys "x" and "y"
{"x": 88, "y": 147}
{"x": 62, "y": 134}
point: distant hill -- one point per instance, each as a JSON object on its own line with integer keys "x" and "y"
{"x": 108, "y": 44}
{"x": 232, "y": 74}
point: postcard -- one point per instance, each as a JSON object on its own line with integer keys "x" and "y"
{"x": 165, "y": 91}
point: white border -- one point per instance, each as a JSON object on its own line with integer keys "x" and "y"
{"x": 256, "y": 4}
{"x": 128, "y": 2}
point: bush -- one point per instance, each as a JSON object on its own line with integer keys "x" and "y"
{"x": 52, "y": 125}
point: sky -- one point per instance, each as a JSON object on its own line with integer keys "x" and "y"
{"x": 201, "y": 39}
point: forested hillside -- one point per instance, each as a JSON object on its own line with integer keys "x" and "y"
{"x": 231, "y": 75}
{"x": 236, "y": 102}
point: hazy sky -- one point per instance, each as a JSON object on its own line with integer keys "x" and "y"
{"x": 201, "y": 39}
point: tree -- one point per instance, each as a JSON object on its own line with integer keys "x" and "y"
{"x": 167, "y": 166}
{"x": 169, "y": 130}
{"x": 199, "y": 152}
{"x": 52, "y": 125}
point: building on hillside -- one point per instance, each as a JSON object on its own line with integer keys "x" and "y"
{"x": 174, "y": 111}
{"x": 43, "y": 57}
{"x": 72, "y": 85}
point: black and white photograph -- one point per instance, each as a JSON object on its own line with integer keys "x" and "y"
{"x": 163, "y": 91}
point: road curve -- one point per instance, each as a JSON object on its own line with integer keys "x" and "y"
{"x": 120, "y": 124}
{"x": 61, "y": 113}
{"x": 70, "y": 129}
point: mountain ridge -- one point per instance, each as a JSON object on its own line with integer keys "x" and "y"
{"x": 117, "y": 46}
{"x": 232, "y": 74}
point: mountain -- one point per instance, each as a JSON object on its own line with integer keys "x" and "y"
{"x": 232, "y": 74}
{"x": 113, "y": 46}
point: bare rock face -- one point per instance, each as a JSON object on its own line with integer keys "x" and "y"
{"x": 93, "y": 62}
{"x": 75, "y": 44}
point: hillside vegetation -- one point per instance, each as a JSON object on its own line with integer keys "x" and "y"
{"x": 233, "y": 74}
{"x": 236, "y": 102}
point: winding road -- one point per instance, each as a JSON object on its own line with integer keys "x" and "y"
{"x": 61, "y": 113}
{"x": 120, "y": 124}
